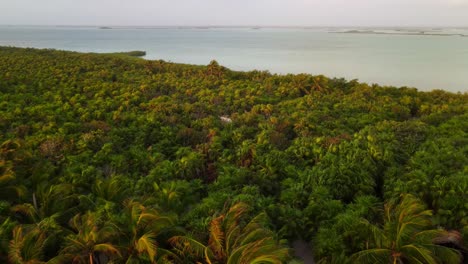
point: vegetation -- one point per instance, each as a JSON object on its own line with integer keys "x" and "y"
{"x": 135, "y": 53}
{"x": 106, "y": 158}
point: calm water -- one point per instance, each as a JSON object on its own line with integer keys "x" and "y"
{"x": 425, "y": 62}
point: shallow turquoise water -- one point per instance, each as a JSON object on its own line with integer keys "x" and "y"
{"x": 425, "y": 62}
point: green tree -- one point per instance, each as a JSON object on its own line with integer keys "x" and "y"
{"x": 406, "y": 236}
{"x": 54, "y": 202}
{"x": 141, "y": 228}
{"x": 232, "y": 242}
{"x": 90, "y": 240}
{"x": 8, "y": 187}
{"x": 27, "y": 247}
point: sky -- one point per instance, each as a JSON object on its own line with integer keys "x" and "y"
{"x": 235, "y": 12}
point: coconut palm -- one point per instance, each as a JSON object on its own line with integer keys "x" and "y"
{"x": 90, "y": 241}
{"x": 141, "y": 227}
{"x": 231, "y": 242}
{"x": 168, "y": 197}
{"x": 10, "y": 154}
{"x": 110, "y": 189}
{"x": 407, "y": 236}
{"x": 8, "y": 188}
{"x": 48, "y": 202}
{"x": 6, "y": 227}
{"x": 26, "y": 247}
{"x": 50, "y": 208}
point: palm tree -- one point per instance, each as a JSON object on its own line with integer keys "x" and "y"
{"x": 10, "y": 154}
{"x": 48, "y": 202}
{"x": 50, "y": 208}
{"x": 190, "y": 164}
{"x": 168, "y": 197}
{"x": 233, "y": 243}
{"x": 110, "y": 189}
{"x": 407, "y": 237}
{"x": 142, "y": 226}
{"x": 26, "y": 247}
{"x": 6, "y": 227}
{"x": 7, "y": 177}
{"x": 90, "y": 241}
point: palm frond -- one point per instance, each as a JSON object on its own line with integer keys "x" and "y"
{"x": 107, "y": 249}
{"x": 231, "y": 238}
{"x": 440, "y": 236}
{"x": 265, "y": 248}
{"x": 164, "y": 254}
{"x": 216, "y": 240}
{"x": 445, "y": 254}
{"x": 147, "y": 244}
{"x": 234, "y": 214}
{"x": 264, "y": 259}
{"x": 421, "y": 254}
{"x": 372, "y": 256}
{"x": 25, "y": 209}
{"x": 73, "y": 244}
{"x": 60, "y": 259}
{"x": 16, "y": 244}
{"x": 262, "y": 247}
{"x": 377, "y": 234}
{"x": 257, "y": 221}
{"x": 7, "y": 177}
{"x": 255, "y": 235}
{"x": 6, "y": 172}
{"x": 188, "y": 245}
{"x": 26, "y": 246}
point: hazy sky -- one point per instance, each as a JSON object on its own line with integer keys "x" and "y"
{"x": 236, "y": 12}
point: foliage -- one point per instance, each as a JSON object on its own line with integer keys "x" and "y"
{"x": 406, "y": 237}
{"x": 112, "y": 158}
{"x": 230, "y": 241}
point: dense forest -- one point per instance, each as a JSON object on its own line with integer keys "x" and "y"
{"x": 109, "y": 158}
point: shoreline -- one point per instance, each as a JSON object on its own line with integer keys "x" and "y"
{"x": 138, "y": 54}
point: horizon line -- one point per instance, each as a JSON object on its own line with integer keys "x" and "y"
{"x": 238, "y": 26}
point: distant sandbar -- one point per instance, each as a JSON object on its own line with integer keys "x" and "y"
{"x": 417, "y": 33}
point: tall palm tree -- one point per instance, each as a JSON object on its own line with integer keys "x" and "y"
{"x": 141, "y": 227}
{"x": 90, "y": 241}
{"x": 233, "y": 243}
{"x": 407, "y": 236}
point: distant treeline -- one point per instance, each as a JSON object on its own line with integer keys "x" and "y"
{"x": 135, "y": 53}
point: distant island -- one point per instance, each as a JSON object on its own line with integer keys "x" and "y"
{"x": 399, "y": 32}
